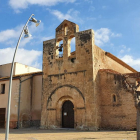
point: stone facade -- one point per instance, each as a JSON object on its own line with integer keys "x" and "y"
{"x": 83, "y": 77}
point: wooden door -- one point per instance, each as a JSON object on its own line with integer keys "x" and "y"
{"x": 2, "y": 117}
{"x": 68, "y": 115}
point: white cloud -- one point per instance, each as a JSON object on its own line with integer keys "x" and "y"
{"x": 46, "y": 38}
{"x": 116, "y": 35}
{"x": 128, "y": 49}
{"x": 124, "y": 49}
{"x": 103, "y": 36}
{"x": 23, "y": 4}
{"x": 89, "y": 1}
{"x": 40, "y": 39}
{"x": 92, "y": 8}
{"x": 131, "y": 61}
{"x": 24, "y": 41}
{"x": 60, "y": 15}
{"x": 10, "y": 36}
{"x": 123, "y": 46}
{"x": 70, "y": 15}
{"x": 121, "y": 51}
{"x": 104, "y": 7}
{"x": 28, "y": 57}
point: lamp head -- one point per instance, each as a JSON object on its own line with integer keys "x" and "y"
{"x": 38, "y": 22}
{"x": 35, "y": 21}
{"x": 26, "y": 32}
{"x": 27, "y": 35}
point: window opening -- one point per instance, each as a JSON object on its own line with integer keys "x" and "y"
{"x": 114, "y": 98}
{"x": 2, "y": 88}
{"x": 72, "y": 44}
{"x": 59, "y": 50}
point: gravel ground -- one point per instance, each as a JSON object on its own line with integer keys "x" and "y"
{"x": 66, "y": 134}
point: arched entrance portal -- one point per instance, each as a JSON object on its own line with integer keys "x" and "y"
{"x": 68, "y": 115}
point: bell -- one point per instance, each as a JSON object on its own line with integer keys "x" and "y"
{"x": 60, "y": 49}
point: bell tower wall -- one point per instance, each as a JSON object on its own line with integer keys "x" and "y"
{"x": 71, "y": 70}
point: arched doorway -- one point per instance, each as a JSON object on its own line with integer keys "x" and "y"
{"x": 68, "y": 115}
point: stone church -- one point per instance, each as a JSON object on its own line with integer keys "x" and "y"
{"x": 84, "y": 89}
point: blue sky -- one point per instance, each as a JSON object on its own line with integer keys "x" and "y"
{"x": 116, "y": 24}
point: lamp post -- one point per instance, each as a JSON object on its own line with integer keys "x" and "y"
{"x": 25, "y": 30}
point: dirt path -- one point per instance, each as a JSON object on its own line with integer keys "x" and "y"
{"x": 69, "y": 134}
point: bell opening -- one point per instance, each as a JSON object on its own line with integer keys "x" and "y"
{"x": 60, "y": 49}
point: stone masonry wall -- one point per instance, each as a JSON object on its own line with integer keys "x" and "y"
{"x": 101, "y": 61}
{"x": 120, "y": 114}
{"x": 77, "y": 78}
{"x": 64, "y": 79}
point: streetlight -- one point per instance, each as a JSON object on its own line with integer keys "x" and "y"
{"x": 26, "y": 32}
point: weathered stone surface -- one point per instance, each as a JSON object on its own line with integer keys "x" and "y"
{"x": 120, "y": 114}
{"x": 88, "y": 78}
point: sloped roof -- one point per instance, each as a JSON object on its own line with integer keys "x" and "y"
{"x": 64, "y": 23}
{"x": 119, "y": 61}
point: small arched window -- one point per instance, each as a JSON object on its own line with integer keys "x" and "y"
{"x": 114, "y": 98}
